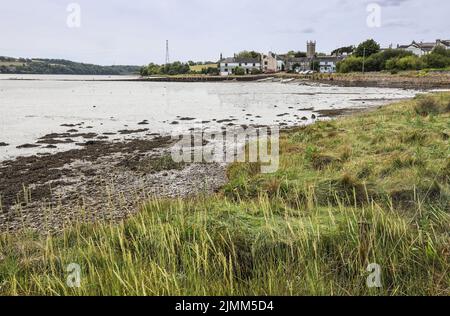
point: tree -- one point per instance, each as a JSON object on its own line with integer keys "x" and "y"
{"x": 143, "y": 71}
{"x": 296, "y": 54}
{"x": 176, "y": 68}
{"x": 343, "y": 50}
{"x": 248, "y": 54}
{"x": 153, "y": 69}
{"x": 367, "y": 48}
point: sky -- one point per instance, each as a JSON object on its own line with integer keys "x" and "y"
{"x": 113, "y": 32}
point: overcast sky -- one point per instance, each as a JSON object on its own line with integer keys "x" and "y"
{"x": 134, "y": 31}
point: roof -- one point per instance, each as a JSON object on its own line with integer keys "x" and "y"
{"x": 422, "y": 46}
{"x": 426, "y": 46}
{"x": 298, "y": 59}
{"x": 329, "y": 58}
{"x": 231, "y": 60}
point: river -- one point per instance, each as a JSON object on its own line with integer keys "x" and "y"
{"x": 35, "y": 106}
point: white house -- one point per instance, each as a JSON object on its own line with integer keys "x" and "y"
{"x": 421, "y": 49}
{"x": 328, "y": 64}
{"x": 443, "y": 43}
{"x": 228, "y": 65}
{"x": 281, "y": 65}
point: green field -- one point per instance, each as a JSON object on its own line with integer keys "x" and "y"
{"x": 10, "y": 63}
{"x": 372, "y": 188}
{"x": 199, "y": 68}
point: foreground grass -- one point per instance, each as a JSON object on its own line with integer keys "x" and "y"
{"x": 373, "y": 188}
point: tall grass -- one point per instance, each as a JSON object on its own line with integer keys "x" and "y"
{"x": 362, "y": 190}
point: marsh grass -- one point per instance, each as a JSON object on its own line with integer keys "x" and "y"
{"x": 429, "y": 104}
{"x": 373, "y": 188}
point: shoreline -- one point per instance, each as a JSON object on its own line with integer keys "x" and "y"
{"x": 104, "y": 181}
{"x": 107, "y": 181}
{"x": 408, "y": 80}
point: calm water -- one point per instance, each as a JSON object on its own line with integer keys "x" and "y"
{"x": 30, "y": 109}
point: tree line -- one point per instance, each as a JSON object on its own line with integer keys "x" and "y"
{"x": 10, "y": 65}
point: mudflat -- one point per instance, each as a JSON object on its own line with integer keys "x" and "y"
{"x": 101, "y": 181}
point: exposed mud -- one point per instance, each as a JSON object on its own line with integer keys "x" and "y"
{"x": 101, "y": 181}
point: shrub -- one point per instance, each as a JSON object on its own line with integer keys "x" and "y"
{"x": 211, "y": 71}
{"x": 434, "y": 60}
{"x": 238, "y": 71}
{"x": 256, "y": 72}
{"x": 427, "y": 105}
{"x": 410, "y": 63}
{"x": 404, "y": 63}
{"x": 351, "y": 64}
{"x": 391, "y": 64}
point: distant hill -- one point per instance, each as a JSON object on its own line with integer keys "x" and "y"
{"x": 9, "y": 65}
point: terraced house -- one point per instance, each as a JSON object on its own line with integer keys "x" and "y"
{"x": 228, "y": 66}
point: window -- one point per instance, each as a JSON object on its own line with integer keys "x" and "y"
{"x": 240, "y": 64}
{"x": 226, "y": 69}
{"x": 254, "y": 65}
{"x": 226, "y": 65}
{"x": 265, "y": 63}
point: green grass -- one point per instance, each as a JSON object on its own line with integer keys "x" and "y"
{"x": 373, "y": 188}
{"x": 199, "y": 68}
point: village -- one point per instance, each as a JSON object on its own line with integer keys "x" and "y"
{"x": 311, "y": 61}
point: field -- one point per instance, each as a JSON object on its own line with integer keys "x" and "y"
{"x": 10, "y": 63}
{"x": 373, "y": 188}
{"x": 199, "y": 68}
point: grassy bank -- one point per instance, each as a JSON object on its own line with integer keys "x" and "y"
{"x": 373, "y": 188}
{"x": 423, "y": 79}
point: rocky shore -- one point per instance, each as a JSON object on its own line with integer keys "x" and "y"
{"x": 101, "y": 181}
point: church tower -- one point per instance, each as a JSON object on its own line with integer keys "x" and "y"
{"x": 311, "y": 49}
